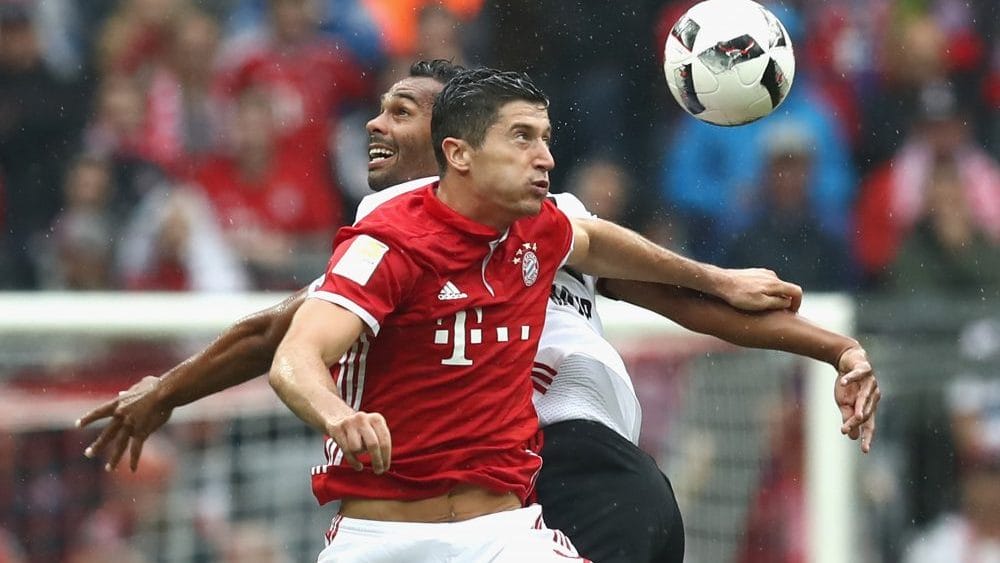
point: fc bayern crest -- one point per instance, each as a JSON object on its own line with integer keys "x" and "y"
{"x": 529, "y": 268}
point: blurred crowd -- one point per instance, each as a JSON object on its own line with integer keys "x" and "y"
{"x": 216, "y": 145}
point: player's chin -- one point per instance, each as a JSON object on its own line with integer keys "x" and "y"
{"x": 532, "y": 206}
{"x": 380, "y": 179}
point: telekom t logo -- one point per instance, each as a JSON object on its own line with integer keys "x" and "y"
{"x": 460, "y": 337}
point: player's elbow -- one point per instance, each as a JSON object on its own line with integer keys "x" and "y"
{"x": 274, "y": 324}
{"x": 281, "y": 374}
{"x": 267, "y": 328}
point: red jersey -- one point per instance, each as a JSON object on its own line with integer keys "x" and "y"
{"x": 454, "y": 311}
{"x": 289, "y": 199}
{"x": 307, "y": 84}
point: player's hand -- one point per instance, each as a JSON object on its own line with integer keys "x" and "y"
{"x": 760, "y": 289}
{"x": 857, "y": 394}
{"x": 135, "y": 414}
{"x": 363, "y": 432}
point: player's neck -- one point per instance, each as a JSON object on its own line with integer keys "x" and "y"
{"x": 462, "y": 198}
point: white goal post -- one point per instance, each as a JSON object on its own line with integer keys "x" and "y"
{"x": 831, "y": 458}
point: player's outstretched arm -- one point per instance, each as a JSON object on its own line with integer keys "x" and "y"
{"x": 320, "y": 334}
{"x": 856, "y": 389}
{"x": 239, "y": 354}
{"x": 606, "y": 250}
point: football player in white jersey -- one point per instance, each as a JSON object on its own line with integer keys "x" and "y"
{"x": 616, "y": 505}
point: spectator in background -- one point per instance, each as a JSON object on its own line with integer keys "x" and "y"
{"x": 399, "y": 21}
{"x": 116, "y": 127}
{"x": 173, "y": 243}
{"x": 184, "y": 114}
{"x": 594, "y": 61}
{"x": 870, "y": 57}
{"x": 914, "y": 56}
{"x": 711, "y": 175}
{"x": 309, "y": 79}
{"x": 167, "y": 50}
{"x": 930, "y": 217}
{"x": 346, "y": 21}
{"x": 80, "y": 253}
{"x": 972, "y": 532}
{"x": 40, "y": 119}
{"x": 277, "y": 216}
{"x": 604, "y": 187}
{"x": 135, "y": 38}
{"x": 842, "y": 49}
{"x": 784, "y": 233}
{"x": 607, "y": 189}
{"x": 439, "y": 34}
{"x": 117, "y": 133}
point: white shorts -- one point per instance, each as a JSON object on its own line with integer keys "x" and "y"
{"x": 513, "y": 536}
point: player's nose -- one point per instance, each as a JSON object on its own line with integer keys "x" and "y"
{"x": 544, "y": 159}
{"x": 377, "y": 124}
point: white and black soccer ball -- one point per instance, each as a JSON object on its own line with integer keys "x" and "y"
{"x": 729, "y": 62}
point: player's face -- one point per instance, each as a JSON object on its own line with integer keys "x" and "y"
{"x": 511, "y": 168}
{"x": 399, "y": 137}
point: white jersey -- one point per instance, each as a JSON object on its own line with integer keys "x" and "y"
{"x": 577, "y": 373}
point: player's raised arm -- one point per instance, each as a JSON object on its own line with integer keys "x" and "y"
{"x": 239, "y": 354}
{"x": 604, "y": 249}
{"x": 856, "y": 389}
{"x": 320, "y": 334}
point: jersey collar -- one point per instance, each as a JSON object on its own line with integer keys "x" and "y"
{"x": 453, "y": 219}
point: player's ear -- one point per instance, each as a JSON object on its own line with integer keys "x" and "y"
{"x": 457, "y": 152}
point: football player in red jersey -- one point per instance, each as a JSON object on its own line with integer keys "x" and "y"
{"x": 481, "y": 246}
{"x": 399, "y": 152}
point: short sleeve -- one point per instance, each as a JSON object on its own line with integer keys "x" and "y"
{"x": 367, "y": 277}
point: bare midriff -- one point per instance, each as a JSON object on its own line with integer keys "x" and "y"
{"x": 461, "y": 503}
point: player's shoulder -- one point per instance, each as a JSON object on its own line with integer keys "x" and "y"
{"x": 570, "y": 205}
{"x": 398, "y": 217}
{"x": 378, "y": 199}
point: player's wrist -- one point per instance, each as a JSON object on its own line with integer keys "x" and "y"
{"x": 174, "y": 389}
{"x": 334, "y": 416}
{"x": 849, "y": 345}
{"x": 165, "y": 393}
{"x": 713, "y": 280}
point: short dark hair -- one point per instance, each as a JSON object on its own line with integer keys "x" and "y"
{"x": 441, "y": 70}
{"x": 471, "y": 101}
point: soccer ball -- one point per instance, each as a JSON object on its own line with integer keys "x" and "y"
{"x": 728, "y": 62}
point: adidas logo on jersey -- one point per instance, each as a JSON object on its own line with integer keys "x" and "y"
{"x": 450, "y": 291}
